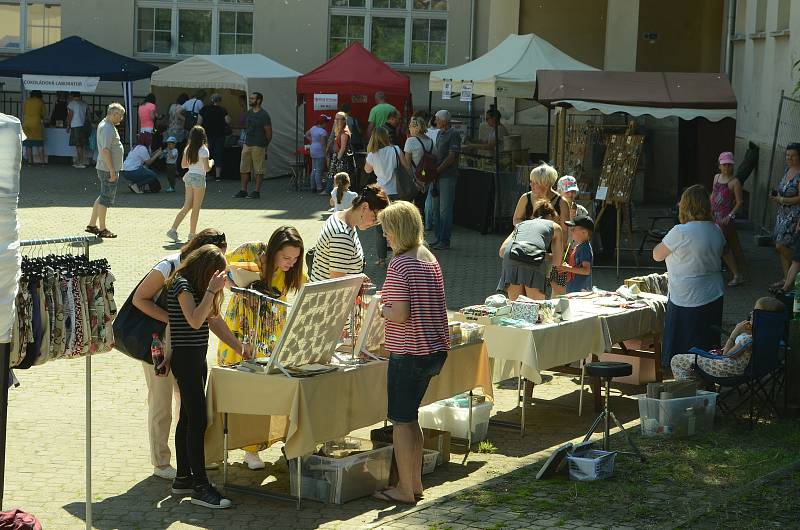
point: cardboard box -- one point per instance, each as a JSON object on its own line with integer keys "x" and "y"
{"x": 432, "y": 439}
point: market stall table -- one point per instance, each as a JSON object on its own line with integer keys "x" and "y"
{"x": 304, "y": 411}
{"x": 56, "y": 142}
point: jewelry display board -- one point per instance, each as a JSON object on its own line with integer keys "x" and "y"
{"x": 370, "y": 336}
{"x": 315, "y": 322}
{"x": 619, "y": 166}
{"x": 577, "y": 143}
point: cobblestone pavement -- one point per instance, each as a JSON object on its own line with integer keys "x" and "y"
{"x": 45, "y": 453}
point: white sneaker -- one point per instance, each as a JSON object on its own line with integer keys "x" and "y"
{"x": 253, "y": 461}
{"x": 167, "y": 473}
{"x": 172, "y": 234}
{"x": 135, "y": 188}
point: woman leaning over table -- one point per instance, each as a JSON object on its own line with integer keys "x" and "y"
{"x": 693, "y": 252}
{"x": 162, "y": 390}
{"x": 417, "y": 340}
{"x": 338, "y": 251}
{"x": 280, "y": 266}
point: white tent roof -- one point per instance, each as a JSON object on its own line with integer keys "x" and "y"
{"x": 221, "y": 71}
{"x": 509, "y": 70}
{"x": 656, "y": 112}
{"x": 249, "y": 73}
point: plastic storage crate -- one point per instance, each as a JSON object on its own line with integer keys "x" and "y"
{"x": 677, "y": 417}
{"x": 446, "y": 416}
{"x": 342, "y": 477}
{"x": 429, "y": 459}
{"x": 591, "y": 465}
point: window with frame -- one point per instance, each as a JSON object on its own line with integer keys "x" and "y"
{"x": 402, "y": 32}
{"x": 29, "y": 24}
{"x": 191, "y": 27}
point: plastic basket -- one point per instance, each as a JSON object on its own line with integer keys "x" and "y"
{"x": 679, "y": 416}
{"x": 429, "y": 460}
{"x": 591, "y": 465}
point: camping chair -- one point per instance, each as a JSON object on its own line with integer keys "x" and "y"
{"x": 655, "y": 234}
{"x": 763, "y": 377}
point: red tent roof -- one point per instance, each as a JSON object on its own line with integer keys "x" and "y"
{"x": 354, "y": 70}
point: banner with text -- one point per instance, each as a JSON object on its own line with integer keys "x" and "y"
{"x": 326, "y": 101}
{"x": 56, "y": 83}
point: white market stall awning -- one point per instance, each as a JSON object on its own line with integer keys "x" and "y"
{"x": 249, "y": 73}
{"x": 509, "y": 70}
{"x": 656, "y": 112}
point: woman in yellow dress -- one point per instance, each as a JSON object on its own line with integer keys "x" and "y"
{"x": 33, "y": 127}
{"x": 280, "y": 266}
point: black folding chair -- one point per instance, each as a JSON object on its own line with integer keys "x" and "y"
{"x": 764, "y": 376}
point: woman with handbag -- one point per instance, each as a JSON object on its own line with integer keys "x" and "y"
{"x": 148, "y": 299}
{"x": 528, "y": 253}
{"x": 341, "y": 156}
{"x": 384, "y": 158}
{"x": 280, "y": 271}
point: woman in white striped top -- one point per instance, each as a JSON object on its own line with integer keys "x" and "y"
{"x": 338, "y": 251}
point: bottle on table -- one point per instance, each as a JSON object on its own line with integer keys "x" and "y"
{"x": 157, "y": 353}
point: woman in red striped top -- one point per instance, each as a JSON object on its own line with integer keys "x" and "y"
{"x": 416, "y": 338}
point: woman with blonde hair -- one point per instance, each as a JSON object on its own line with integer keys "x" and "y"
{"x": 383, "y": 158}
{"x": 413, "y": 304}
{"x": 341, "y": 155}
{"x": 693, "y": 253}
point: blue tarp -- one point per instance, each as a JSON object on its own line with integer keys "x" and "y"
{"x": 75, "y": 56}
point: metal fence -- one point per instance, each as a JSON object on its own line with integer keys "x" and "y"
{"x": 787, "y": 131}
{"x": 11, "y": 104}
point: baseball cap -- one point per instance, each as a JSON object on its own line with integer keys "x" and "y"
{"x": 584, "y": 221}
{"x": 172, "y": 140}
{"x": 726, "y": 157}
{"x": 567, "y": 183}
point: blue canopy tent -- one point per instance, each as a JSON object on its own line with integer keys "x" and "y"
{"x": 74, "y": 56}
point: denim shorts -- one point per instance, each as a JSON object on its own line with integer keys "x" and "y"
{"x": 407, "y": 381}
{"x": 194, "y": 180}
{"x": 108, "y": 189}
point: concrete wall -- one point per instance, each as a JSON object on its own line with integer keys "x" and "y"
{"x": 585, "y": 19}
{"x": 762, "y": 67}
{"x": 689, "y": 36}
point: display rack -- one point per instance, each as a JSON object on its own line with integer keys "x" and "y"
{"x": 5, "y": 359}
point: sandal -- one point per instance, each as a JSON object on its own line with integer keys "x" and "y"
{"x": 779, "y": 292}
{"x": 106, "y": 234}
{"x": 92, "y": 229}
{"x": 736, "y": 281}
{"x": 385, "y": 497}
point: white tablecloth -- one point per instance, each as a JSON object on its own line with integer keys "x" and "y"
{"x": 543, "y": 346}
{"x": 56, "y": 142}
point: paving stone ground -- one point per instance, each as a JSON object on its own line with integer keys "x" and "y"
{"x": 45, "y": 452}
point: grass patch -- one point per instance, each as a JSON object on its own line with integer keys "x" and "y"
{"x": 679, "y": 476}
{"x": 487, "y": 446}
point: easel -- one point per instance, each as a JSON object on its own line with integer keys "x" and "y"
{"x": 616, "y": 181}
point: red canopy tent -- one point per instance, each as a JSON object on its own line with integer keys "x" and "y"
{"x": 354, "y": 74}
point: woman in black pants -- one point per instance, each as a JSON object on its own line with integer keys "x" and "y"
{"x": 194, "y": 295}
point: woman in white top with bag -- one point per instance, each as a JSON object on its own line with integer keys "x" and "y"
{"x": 383, "y": 158}
{"x": 196, "y": 160}
{"x": 163, "y": 391}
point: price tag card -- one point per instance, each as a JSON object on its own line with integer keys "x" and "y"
{"x": 602, "y": 192}
{"x": 466, "y": 91}
{"x": 447, "y": 89}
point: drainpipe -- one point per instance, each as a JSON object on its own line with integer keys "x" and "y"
{"x": 472, "y": 31}
{"x": 729, "y": 40}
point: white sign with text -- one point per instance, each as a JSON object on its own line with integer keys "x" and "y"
{"x": 326, "y": 101}
{"x": 56, "y": 83}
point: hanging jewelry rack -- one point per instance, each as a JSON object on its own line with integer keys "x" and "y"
{"x": 80, "y": 242}
{"x": 267, "y": 315}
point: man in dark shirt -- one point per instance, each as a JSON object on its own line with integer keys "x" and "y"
{"x": 447, "y": 150}
{"x": 214, "y": 119}
{"x": 257, "y": 135}
{"x": 392, "y": 121}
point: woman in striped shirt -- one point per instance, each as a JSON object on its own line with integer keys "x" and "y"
{"x": 338, "y": 251}
{"x": 194, "y": 295}
{"x": 416, "y": 338}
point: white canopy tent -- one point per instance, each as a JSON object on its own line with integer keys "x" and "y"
{"x": 248, "y": 73}
{"x": 509, "y": 70}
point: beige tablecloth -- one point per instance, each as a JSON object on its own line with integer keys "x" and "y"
{"x": 305, "y": 411}
{"x": 543, "y": 346}
{"x": 622, "y": 324}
